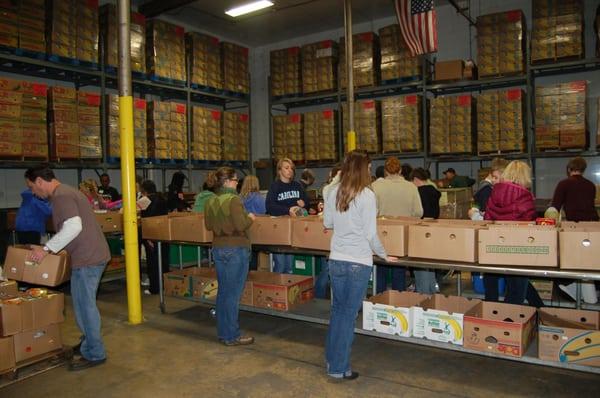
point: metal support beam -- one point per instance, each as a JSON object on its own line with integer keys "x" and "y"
{"x": 157, "y": 7}
{"x": 350, "y": 134}
{"x": 462, "y": 12}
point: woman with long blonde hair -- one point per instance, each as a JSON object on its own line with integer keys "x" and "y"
{"x": 253, "y": 200}
{"x": 351, "y": 211}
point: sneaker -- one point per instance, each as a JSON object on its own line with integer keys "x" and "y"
{"x": 146, "y": 282}
{"x": 242, "y": 340}
{"x": 147, "y": 291}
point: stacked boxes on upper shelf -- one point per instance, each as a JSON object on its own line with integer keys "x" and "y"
{"x": 287, "y": 137}
{"x": 451, "y": 125}
{"x": 401, "y": 124}
{"x": 110, "y": 33}
{"x": 64, "y": 126}
{"x": 139, "y": 127}
{"x": 88, "y": 115}
{"x": 500, "y": 121}
{"x": 22, "y": 24}
{"x": 320, "y": 130}
{"x": 285, "y": 72}
{"x": 10, "y": 118}
{"x": 205, "y": 60}
{"x": 365, "y": 65}
{"x": 236, "y": 134}
{"x": 396, "y": 60}
{"x": 178, "y": 125}
{"x": 206, "y": 134}
{"x": 366, "y": 124}
{"x": 235, "y": 68}
{"x": 88, "y": 28}
{"x": 501, "y": 43}
{"x": 319, "y": 67}
{"x": 557, "y": 30}
{"x": 167, "y": 138}
{"x": 165, "y": 51}
{"x": 560, "y": 116}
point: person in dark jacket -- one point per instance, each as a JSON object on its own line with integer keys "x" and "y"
{"x": 175, "y": 200}
{"x": 31, "y": 218}
{"x": 285, "y": 197}
{"x": 157, "y": 207}
{"x": 109, "y": 193}
{"x": 456, "y": 181}
{"x": 511, "y": 200}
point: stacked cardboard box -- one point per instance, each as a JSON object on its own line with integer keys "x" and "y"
{"x": 167, "y": 137}
{"x": 88, "y": 28}
{"x": 165, "y": 50}
{"x": 319, "y": 67}
{"x": 557, "y": 30}
{"x": 285, "y": 72}
{"x": 366, "y": 124}
{"x": 139, "y": 127}
{"x": 22, "y": 24}
{"x": 450, "y": 127}
{"x": 501, "y": 43}
{"x": 236, "y": 136}
{"x": 500, "y": 121}
{"x": 206, "y": 134}
{"x": 10, "y": 119}
{"x": 73, "y": 29}
{"x": 396, "y": 60}
{"x": 401, "y": 124}
{"x": 205, "y": 60}
{"x": 110, "y": 33}
{"x": 88, "y": 115}
{"x": 287, "y": 137}
{"x": 560, "y": 116}
{"x": 365, "y": 63}
{"x": 9, "y": 27}
{"x": 236, "y": 75}
{"x": 320, "y": 131}
{"x": 64, "y": 126}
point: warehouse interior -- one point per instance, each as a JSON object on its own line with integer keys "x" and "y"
{"x": 172, "y": 348}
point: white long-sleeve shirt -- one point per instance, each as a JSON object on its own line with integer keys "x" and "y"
{"x": 355, "y": 230}
{"x": 71, "y": 228}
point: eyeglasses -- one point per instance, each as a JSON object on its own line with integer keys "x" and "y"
{"x": 234, "y": 179}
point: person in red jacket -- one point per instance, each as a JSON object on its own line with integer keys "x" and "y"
{"x": 511, "y": 200}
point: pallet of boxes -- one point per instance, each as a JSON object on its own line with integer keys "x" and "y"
{"x": 367, "y": 124}
{"x": 285, "y": 73}
{"x": 397, "y": 63}
{"x": 501, "y": 44}
{"x": 501, "y": 122}
{"x": 205, "y": 58}
{"x": 287, "y": 137}
{"x": 63, "y": 124}
{"x": 140, "y": 140}
{"x": 110, "y": 34}
{"x": 236, "y": 76}
{"x": 206, "y": 134}
{"x": 165, "y": 52}
{"x": 319, "y": 67}
{"x": 401, "y": 124}
{"x": 167, "y": 127}
{"x": 236, "y": 135}
{"x": 365, "y": 52}
{"x": 319, "y": 133}
{"x": 451, "y": 126}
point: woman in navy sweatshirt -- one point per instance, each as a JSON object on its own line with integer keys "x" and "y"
{"x": 285, "y": 197}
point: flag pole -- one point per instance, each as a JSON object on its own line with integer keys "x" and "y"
{"x": 350, "y": 134}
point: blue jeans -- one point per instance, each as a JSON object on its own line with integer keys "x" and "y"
{"x": 425, "y": 281}
{"x": 84, "y": 286}
{"x": 349, "y": 284}
{"x": 232, "y": 271}
{"x": 322, "y": 280}
{"x": 283, "y": 263}
{"x": 398, "y": 278}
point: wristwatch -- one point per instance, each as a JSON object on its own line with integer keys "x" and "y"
{"x": 46, "y": 249}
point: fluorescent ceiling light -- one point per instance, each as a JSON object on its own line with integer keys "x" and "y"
{"x": 248, "y": 8}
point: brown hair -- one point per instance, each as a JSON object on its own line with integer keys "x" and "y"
{"x": 333, "y": 172}
{"x": 250, "y": 185}
{"x": 499, "y": 164}
{"x": 577, "y": 164}
{"x": 418, "y": 173}
{"x": 392, "y": 165}
{"x": 518, "y": 172}
{"x": 223, "y": 174}
{"x": 210, "y": 183}
{"x": 282, "y": 161}
{"x": 354, "y": 179}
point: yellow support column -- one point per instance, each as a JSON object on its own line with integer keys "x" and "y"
{"x": 351, "y": 140}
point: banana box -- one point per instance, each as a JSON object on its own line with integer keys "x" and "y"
{"x": 190, "y": 228}
{"x": 579, "y": 245}
{"x": 203, "y": 283}
{"x": 309, "y": 233}
{"x": 391, "y": 312}
{"x": 438, "y": 241}
{"x": 268, "y": 230}
{"x": 440, "y": 318}
{"x": 569, "y": 336}
{"x": 393, "y": 234}
{"x": 500, "y": 328}
{"x": 281, "y": 291}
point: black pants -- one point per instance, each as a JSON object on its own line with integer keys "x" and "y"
{"x": 518, "y": 289}
{"x": 152, "y": 264}
{"x": 253, "y": 261}
{"x": 28, "y": 237}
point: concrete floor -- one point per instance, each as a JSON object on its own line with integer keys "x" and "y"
{"x": 177, "y": 355}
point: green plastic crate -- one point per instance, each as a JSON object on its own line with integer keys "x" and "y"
{"x": 189, "y": 254}
{"x": 303, "y": 265}
{"x": 116, "y": 245}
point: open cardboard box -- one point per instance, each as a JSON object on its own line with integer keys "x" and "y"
{"x": 53, "y": 270}
{"x": 309, "y": 233}
{"x": 569, "y": 336}
{"x": 190, "y": 228}
{"x": 579, "y": 248}
{"x": 267, "y": 230}
{"x": 23, "y": 312}
{"x": 440, "y": 318}
{"x": 393, "y": 234}
{"x": 281, "y": 291}
{"x": 500, "y": 328}
{"x": 159, "y": 227}
{"x": 441, "y": 241}
{"x": 110, "y": 221}
{"x": 529, "y": 245}
{"x": 391, "y": 312}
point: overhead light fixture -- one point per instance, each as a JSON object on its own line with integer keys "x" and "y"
{"x": 248, "y": 8}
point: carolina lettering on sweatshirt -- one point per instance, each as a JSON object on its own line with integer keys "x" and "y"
{"x": 284, "y": 195}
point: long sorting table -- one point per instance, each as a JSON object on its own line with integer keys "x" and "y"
{"x": 317, "y": 310}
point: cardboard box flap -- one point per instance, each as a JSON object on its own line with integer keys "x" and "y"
{"x": 450, "y": 304}
{"x": 400, "y": 220}
{"x": 399, "y": 299}
{"x": 519, "y": 226}
{"x": 569, "y": 318}
{"x": 502, "y": 312}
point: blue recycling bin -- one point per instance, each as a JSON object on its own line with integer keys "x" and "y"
{"x": 479, "y": 288}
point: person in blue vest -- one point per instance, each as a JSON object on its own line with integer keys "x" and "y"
{"x": 31, "y": 218}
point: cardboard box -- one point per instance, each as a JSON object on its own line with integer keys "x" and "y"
{"x": 54, "y": 269}
{"x": 500, "y": 328}
{"x": 37, "y": 342}
{"x": 159, "y": 227}
{"x": 449, "y": 70}
{"x": 267, "y": 230}
{"x": 8, "y": 288}
{"x": 264, "y": 261}
{"x": 391, "y": 312}
{"x": 25, "y": 312}
{"x": 569, "y": 336}
{"x": 393, "y": 234}
{"x": 440, "y": 318}
{"x": 111, "y": 221}
{"x": 190, "y": 228}
{"x": 281, "y": 291}
{"x": 7, "y": 354}
{"x": 443, "y": 242}
{"x": 309, "y": 233}
{"x": 534, "y": 246}
{"x": 579, "y": 246}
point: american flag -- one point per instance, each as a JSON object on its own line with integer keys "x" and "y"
{"x": 418, "y": 24}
